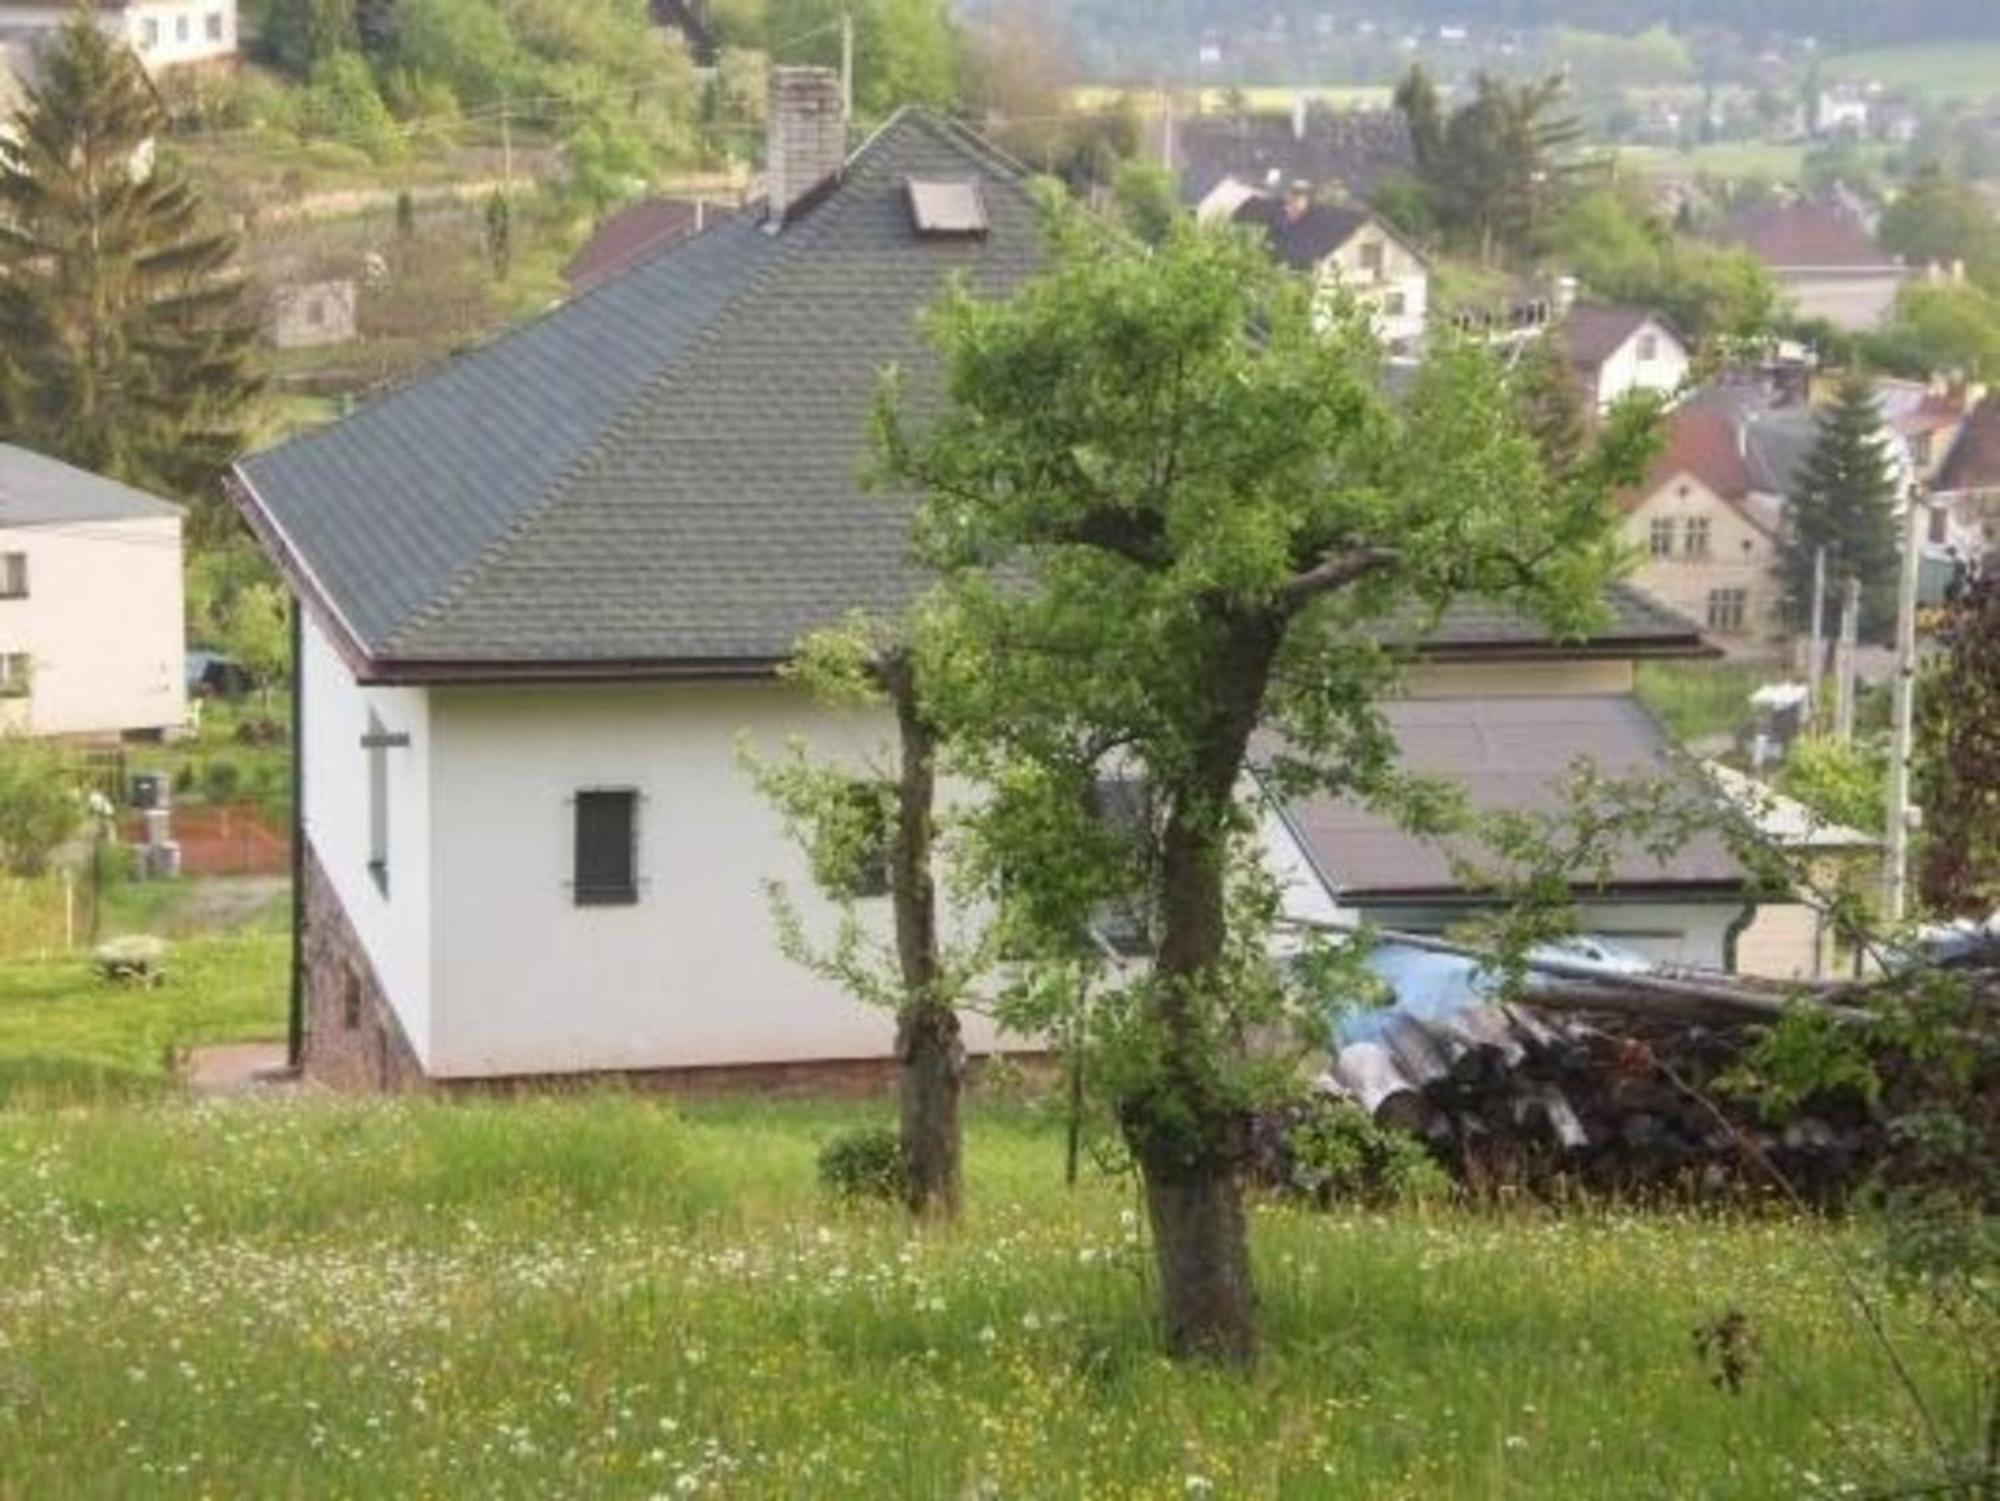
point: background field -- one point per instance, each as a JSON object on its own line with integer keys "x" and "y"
{"x": 1960, "y": 69}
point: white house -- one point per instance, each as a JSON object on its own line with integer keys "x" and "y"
{"x": 90, "y": 603}
{"x": 545, "y": 589}
{"x": 1614, "y": 351}
{"x": 164, "y": 33}
{"x": 1347, "y": 248}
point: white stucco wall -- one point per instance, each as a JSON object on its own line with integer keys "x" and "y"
{"x": 101, "y": 625}
{"x": 527, "y": 981}
{"x": 1398, "y": 294}
{"x": 1626, "y": 371}
{"x": 395, "y": 927}
{"x": 165, "y": 33}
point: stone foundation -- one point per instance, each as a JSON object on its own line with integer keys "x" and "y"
{"x": 354, "y": 1043}
{"x": 353, "y": 1040}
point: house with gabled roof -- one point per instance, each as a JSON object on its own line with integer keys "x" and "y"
{"x": 1346, "y": 247}
{"x": 1614, "y": 350}
{"x": 1824, "y": 259}
{"x": 545, "y": 589}
{"x": 1705, "y": 533}
{"x": 91, "y": 627}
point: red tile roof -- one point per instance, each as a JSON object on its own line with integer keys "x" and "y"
{"x": 1809, "y": 234}
{"x": 632, "y": 234}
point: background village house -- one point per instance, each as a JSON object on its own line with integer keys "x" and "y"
{"x": 164, "y": 33}
{"x": 90, "y": 603}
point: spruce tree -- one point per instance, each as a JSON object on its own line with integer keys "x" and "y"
{"x": 1843, "y": 498}
{"x": 125, "y": 333}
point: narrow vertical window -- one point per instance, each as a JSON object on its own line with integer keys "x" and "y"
{"x": 14, "y": 674}
{"x": 377, "y": 745}
{"x": 13, "y": 575}
{"x": 606, "y": 870}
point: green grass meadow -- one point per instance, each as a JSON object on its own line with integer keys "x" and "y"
{"x": 1962, "y": 69}
{"x": 605, "y": 1296}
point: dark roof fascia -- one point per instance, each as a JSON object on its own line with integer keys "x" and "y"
{"x": 1612, "y": 891}
{"x": 1597, "y": 649}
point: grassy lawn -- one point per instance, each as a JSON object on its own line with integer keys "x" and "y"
{"x": 1943, "y": 70}
{"x": 66, "y": 1035}
{"x": 601, "y": 1297}
{"x": 1695, "y": 699}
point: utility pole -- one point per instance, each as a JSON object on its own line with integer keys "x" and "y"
{"x": 506, "y": 150}
{"x": 1896, "y": 869}
{"x": 1816, "y": 662}
{"x": 847, "y": 64}
{"x": 1843, "y": 661}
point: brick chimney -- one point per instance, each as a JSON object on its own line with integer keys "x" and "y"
{"x": 808, "y": 139}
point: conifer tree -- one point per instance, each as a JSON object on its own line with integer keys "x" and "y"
{"x": 125, "y": 335}
{"x": 1843, "y": 498}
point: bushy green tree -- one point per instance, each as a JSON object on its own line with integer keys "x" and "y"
{"x": 342, "y": 103}
{"x": 1844, "y": 500}
{"x": 1180, "y": 510}
{"x": 1625, "y": 253}
{"x": 1940, "y": 219}
{"x": 125, "y": 333}
{"x": 905, "y": 51}
{"x": 39, "y": 805}
{"x": 1958, "y": 766}
{"x": 299, "y": 35}
{"x": 1940, "y": 328}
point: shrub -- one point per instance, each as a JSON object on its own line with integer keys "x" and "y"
{"x": 220, "y": 780}
{"x": 1330, "y": 1151}
{"x": 39, "y": 806}
{"x": 864, "y": 1164}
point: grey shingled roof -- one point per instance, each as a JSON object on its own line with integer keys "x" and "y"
{"x": 1509, "y": 754}
{"x": 665, "y": 471}
{"x": 36, "y": 490}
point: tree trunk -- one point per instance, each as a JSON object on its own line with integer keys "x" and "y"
{"x": 928, "y": 1045}
{"x": 1194, "y": 1205}
{"x": 1187, "y": 1133}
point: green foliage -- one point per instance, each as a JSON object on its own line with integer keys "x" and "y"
{"x": 256, "y": 631}
{"x": 1940, "y": 328}
{"x": 905, "y": 51}
{"x": 1939, "y": 219}
{"x": 865, "y": 1165}
{"x": 341, "y": 101}
{"x": 300, "y": 36}
{"x": 1337, "y": 1154}
{"x": 40, "y": 805}
{"x": 1625, "y": 253}
{"x": 1147, "y": 200}
{"x": 1844, "y": 782}
{"x": 1495, "y": 167}
{"x": 1652, "y": 57}
{"x": 125, "y": 335}
{"x": 1697, "y": 699}
{"x": 1958, "y": 764}
{"x": 1843, "y": 499}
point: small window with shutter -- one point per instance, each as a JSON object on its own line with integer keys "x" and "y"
{"x": 607, "y": 872}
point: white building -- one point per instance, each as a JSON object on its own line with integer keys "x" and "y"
{"x": 1348, "y": 248}
{"x": 546, "y": 589}
{"x": 1614, "y": 351}
{"x": 164, "y": 33}
{"x": 91, "y": 627}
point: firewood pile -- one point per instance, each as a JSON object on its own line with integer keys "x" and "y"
{"x": 1509, "y": 1097}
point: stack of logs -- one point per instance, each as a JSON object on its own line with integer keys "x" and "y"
{"x": 1617, "y": 1103}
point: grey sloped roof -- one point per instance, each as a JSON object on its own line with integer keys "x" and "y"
{"x": 665, "y": 473}
{"x": 665, "y": 468}
{"x": 1510, "y": 755}
{"x": 36, "y": 490}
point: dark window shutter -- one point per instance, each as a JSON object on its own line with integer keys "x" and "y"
{"x": 606, "y": 865}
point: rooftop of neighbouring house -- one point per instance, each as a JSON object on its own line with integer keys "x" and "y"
{"x": 1301, "y": 233}
{"x": 1510, "y": 755}
{"x": 1709, "y": 444}
{"x": 1805, "y": 235}
{"x": 1593, "y": 332}
{"x": 1350, "y": 149}
{"x": 1974, "y": 460}
{"x": 663, "y": 475}
{"x": 635, "y": 232}
{"x": 36, "y": 490}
